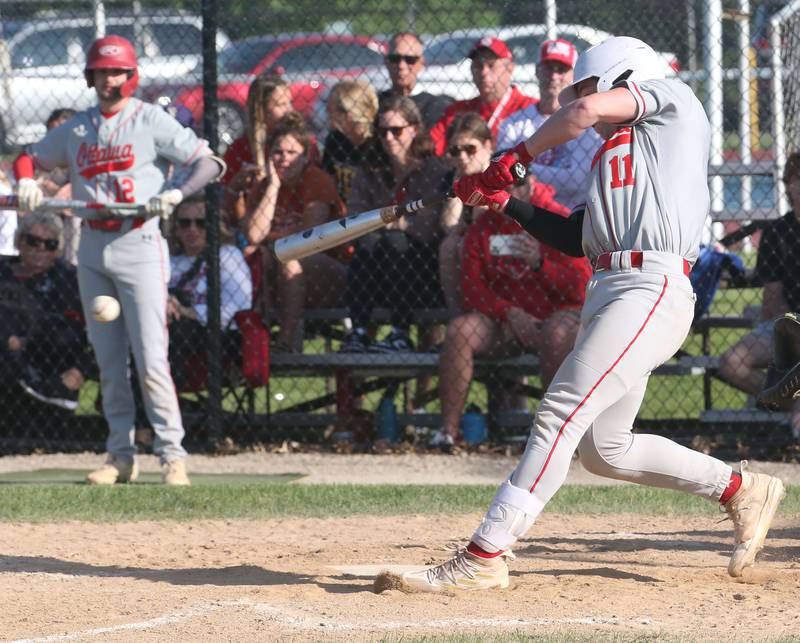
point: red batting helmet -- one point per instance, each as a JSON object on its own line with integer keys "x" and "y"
{"x": 113, "y": 52}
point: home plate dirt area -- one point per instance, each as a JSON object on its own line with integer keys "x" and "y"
{"x": 615, "y": 577}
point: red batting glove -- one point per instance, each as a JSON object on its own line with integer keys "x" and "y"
{"x": 472, "y": 191}
{"x": 498, "y": 175}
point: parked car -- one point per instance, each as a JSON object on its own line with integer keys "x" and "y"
{"x": 42, "y": 63}
{"x": 447, "y": 68}
{"x": 309, "y": 62}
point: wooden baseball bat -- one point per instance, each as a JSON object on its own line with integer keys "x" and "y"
{"x": 11, "y": 202}
{"x": 334, "y": 233}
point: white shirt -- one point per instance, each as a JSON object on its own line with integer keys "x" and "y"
{"x": 236, "y": 284}
{"x": 565, "y": 167}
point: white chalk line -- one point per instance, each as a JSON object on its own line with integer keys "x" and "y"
{"x": 165, "y": 619}
{"x": 292, "y": 619}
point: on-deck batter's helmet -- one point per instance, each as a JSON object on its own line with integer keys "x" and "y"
{"x": 113, "y": 52}
{"x": 617, "y": 59}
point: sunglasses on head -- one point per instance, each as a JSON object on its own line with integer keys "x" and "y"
{"x": 395, "y": 130}
{"x": 188, "y": 222}
{"x": 33, "y": 241}
{"x": 395, "y": 59}
{"x": 455, "y": 150}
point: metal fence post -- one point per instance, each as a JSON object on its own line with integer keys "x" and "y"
{"x": 210, "y": 132}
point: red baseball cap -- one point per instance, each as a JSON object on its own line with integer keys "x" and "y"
{"x": 498, "y": 47}
{"x": 560, "y": 50}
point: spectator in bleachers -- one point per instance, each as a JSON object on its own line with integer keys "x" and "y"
{"x": 352, "y": 106}
{"x": 522, "y": 296}
{"x": 291, "y": 195}
{"x": 269, "y": 99}
{"x": 469, "y": 149}
{"x": 55, "y": 185}
{"x": 395, "y": 266}
{"x": 43, "y": 341}
{"x": 187, "y": 306}
{"x": 565, "y": 167}
{"x": 404, "y": 62}
{"x": 777, "y": 267}
{"x": 492, "y": 68}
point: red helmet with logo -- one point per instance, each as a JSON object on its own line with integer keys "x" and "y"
{"x": 113, "y": 52}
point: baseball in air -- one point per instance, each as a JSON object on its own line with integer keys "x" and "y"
{"x": 105, "y": 308}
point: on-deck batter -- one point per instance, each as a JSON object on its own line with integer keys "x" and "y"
{"x": 641, "y": 227}
{"x": 120, "y": 151}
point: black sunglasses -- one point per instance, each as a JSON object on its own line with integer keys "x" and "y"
{"x": 188, "y": 222}
{"x": 37, "y": 242}
{"x": 396, "y": 58}
{"x": 455, "y": 150}
{"x": 396, "y": 130}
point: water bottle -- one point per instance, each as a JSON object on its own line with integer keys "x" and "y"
{"x": 473, "y": 425}
{"x": 387, "y": 419}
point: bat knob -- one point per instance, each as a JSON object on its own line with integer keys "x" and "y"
{"x": 519, "y": 172}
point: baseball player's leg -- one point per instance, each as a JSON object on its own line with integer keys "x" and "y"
{"x": 110, "y": 344}
{"x": 605, "y": 365}
{"x": 141, "y": 267}
{"x": 610, "y": 449}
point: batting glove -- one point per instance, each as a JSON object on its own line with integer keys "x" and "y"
{"x": 162, "y": 205}
{"x": 472, "y": 191}
{"x": 498, "y": 175}
{"x": 29, "y": 194}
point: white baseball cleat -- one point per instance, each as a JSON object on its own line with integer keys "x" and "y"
{"x": 752, "y": 509}
{"x": 114, "y": 470}
{"x": 464, "y": 571}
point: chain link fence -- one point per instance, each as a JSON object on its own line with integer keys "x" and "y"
{"x": 434, "y": 327}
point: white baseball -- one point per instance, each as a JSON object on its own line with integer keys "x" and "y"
{"x": 105, "y": 308}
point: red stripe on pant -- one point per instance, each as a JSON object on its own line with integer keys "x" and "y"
{"x": 602, "y": 377}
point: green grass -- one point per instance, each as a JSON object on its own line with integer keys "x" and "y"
{"x": 77, "y": 476}
{"x": 54, "y": 502}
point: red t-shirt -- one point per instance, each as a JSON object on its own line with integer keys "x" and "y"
{"x": 516, "y": 101}
{"x": 239, "y": 153}
{"x": 492, "y": 284}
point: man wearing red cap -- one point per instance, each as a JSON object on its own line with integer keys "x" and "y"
{"x": 492, "y": 67}
{"x": 566, "y": 167}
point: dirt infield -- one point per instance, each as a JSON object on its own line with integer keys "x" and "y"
{"x": 310, "y": 579}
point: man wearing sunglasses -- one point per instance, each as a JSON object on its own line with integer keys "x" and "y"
{"x": 404, "y": 62}
{"x": 566, "y": 167}
{"x": 492, "y": 68}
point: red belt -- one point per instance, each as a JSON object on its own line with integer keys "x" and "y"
{"x": 113, "y": 225}
{"x": 603, "y": 261}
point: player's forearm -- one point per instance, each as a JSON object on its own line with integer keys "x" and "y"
{"x": 563, "y": 233}
{"x": 566, "y": 124}
{"x": 205, "y": 170}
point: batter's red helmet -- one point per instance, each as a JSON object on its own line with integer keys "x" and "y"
{"x": 113, "y": 52}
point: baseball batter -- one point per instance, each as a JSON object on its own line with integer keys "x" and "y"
{"x": 640, "y": 227}
{"x": 120, "y": 151}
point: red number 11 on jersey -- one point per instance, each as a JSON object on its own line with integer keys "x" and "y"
{"x": 616, "y": 180}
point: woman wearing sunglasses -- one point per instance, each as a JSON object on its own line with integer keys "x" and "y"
{"x": 395, "y": 267}
{"x": 187, "y": 306}
{"x": 469, "y": 150}
{"x": 44, "y": 347}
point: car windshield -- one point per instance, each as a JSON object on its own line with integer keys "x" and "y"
{"x": 243, "y": 56}
{"x": 449, "y": 52}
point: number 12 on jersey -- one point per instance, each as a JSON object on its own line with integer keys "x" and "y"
{"x": 124, "y": 190}
{"x": 618, "y": 181}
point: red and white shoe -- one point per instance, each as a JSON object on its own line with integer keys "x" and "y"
{"x": 464, "y": 571}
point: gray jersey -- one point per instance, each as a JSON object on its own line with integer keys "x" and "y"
{"x": 649, "y": 185}
{"x": 122, "y": 158}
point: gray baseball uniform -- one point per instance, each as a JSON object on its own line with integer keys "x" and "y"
{"x": 125, "y": 157}
{"x": 646, "y": 205}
